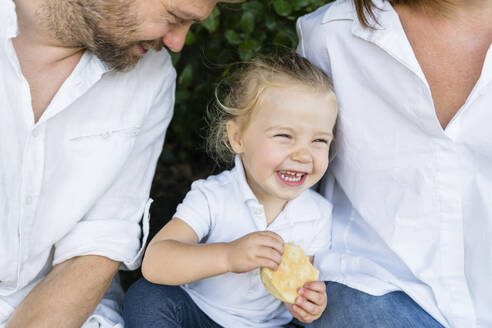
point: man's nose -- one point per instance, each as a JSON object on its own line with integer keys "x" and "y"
{"x": 176, "y": 37}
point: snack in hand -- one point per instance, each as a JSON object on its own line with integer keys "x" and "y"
{"x": 294, "y": 271}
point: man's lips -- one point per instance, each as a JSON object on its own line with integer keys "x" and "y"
{"x": 141, "y": 50}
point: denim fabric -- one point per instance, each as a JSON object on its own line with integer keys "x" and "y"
{"x": 149, "y": 305}
{"x": 351, "y": 308}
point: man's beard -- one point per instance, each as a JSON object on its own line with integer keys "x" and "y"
{"x": 104, "y": 27}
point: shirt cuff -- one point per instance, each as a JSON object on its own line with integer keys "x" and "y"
{"x": 116, "y": 239}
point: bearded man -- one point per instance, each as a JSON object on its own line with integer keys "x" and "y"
{"x": 86, "y": 95}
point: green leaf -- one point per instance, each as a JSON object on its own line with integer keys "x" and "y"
{"x": 299, "y": 4}
{"x": 271, "y": 22}
{"x": 286, "y": 39}
{"x": 175, "y": 57}
{"x": 190, "y": 38}
{"x": 186, "y": 77}
{"x": 212, "y": 21}
{"x": 282, "y": 7}
{"x": 232, "y": 37}
{"x": 256, "y": 7}
{"x": 248, "y": 48}
{"x": 248, "y": 22}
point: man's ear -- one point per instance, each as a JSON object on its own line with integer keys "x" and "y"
{"x": 234, "y": 135}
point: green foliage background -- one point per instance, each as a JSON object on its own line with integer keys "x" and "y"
{"x": 232, "y": 33}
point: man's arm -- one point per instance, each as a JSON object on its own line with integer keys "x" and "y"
{"x": 68, "y": 295}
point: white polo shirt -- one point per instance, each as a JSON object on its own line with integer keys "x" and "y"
{"x": 223, "y": 208}
{"x": 412, "y": 201}
{"x": 76, "y": 182}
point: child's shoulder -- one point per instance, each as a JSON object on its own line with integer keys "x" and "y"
{"x": 218, "y": 183}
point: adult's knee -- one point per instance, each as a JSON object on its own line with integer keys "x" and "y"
{"x": 144, "y": 303}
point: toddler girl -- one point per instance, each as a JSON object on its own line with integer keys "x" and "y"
{"x": 276, "y": 125}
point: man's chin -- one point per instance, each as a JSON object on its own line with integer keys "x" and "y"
{"x": 121, "y": 63}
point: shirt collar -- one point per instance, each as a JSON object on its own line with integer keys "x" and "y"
{"x": 10, "y": 22}
{"x": 387, "y": 33}
{"x": 247, "y": 194}
{"x": 87, "y": 72}
{"x": 339, "y": 10}
{"x": 302, "y": 208}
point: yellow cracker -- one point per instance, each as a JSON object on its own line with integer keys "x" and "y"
{"x": 294, "y": 271}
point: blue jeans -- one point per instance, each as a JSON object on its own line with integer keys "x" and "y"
{"x": 348, "y": 307}
{"x": 149, "y": 305}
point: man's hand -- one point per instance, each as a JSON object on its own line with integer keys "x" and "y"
{"x": 68, "y": 295}
{"x": 311, "y": 303}
{"x": 255, "y": 250}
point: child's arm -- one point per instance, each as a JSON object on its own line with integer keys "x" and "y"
{"x": 312, "y": 301}
{"x": 174, "y": 256}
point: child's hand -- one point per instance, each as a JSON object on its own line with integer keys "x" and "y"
{"x": 255, "y": 250}
{"x": 311, "y": 303}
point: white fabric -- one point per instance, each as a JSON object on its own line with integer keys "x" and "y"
{"x": 76, "y": 182}
{"x": 412, "y": 206}
{"x": 223, "y": 208}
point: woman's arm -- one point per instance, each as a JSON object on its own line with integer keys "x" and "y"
{"x": 174, "y": 256}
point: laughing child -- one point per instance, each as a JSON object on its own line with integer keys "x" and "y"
{"x": 276, "y": 123}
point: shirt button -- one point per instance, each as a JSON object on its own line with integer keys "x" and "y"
{"x": 28, "y": 200}
{"x": 35, "y": 133}
{"x": 257, "y": 212}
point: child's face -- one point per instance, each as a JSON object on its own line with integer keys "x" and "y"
{"x": 284, "y": 148}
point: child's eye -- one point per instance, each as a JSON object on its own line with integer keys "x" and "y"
{"x": 321, "y": 140}
{"x": 283, "y": 135}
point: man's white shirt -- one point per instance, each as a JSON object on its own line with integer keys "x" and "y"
{"x": 77, "y": 182}
{"x": 223, "y": 208}
{"x": 412, "y": 202}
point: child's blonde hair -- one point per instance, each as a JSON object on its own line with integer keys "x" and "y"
{"x": 242, "y": 92}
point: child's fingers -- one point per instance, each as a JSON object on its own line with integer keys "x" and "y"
{"x": 273, "y": 240}
{"x": 270, "y": 253}
{"x": 267, "y": 263}
{"x": 313, "y": 296}
{"x": 301, "y": 314}
{"x": 307, "y": 306}
{"x": 318, "y": 286}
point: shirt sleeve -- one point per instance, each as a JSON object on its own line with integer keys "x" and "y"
{"x": 111, "y": 228}
{"x": 195, "y": 210}
{"x": 313, "y": 42}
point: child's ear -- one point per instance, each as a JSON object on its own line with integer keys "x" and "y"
{"x": 234, "y": 135}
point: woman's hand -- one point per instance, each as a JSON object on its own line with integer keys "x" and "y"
{"x": 255, "y": 250}
{"x": 311, "y": 303}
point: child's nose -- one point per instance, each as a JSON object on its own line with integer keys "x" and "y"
{"x": 302, "y": 154}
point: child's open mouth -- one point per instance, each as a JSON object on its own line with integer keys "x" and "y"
{"x": 292, "y": 178}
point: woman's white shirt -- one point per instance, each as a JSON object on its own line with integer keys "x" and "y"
{"x": 412, "y": 206}
{"x": 77, "y": 181}
{"x": 223, "y": 208}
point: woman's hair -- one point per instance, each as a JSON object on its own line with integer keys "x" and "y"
{"x": 237, "y": 96}
{"x": 365, "y": 8}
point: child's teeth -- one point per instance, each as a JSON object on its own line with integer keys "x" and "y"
{"x": 291, "y": 177}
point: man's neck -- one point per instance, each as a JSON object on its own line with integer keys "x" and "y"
{"x": 34, "y": 37}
